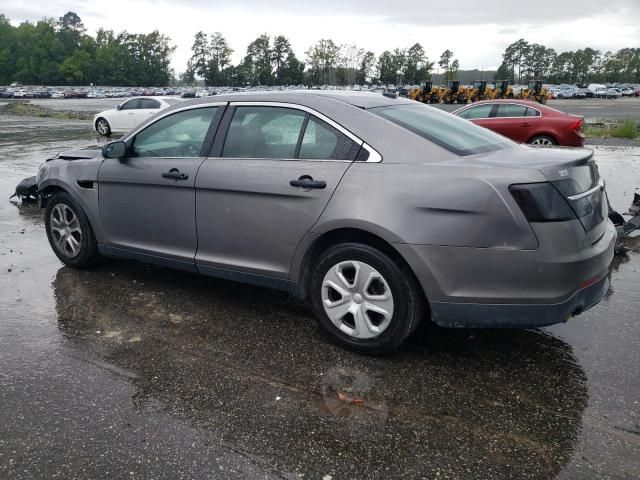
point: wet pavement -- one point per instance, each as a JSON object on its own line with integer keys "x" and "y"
{"x": 132, "y": 371}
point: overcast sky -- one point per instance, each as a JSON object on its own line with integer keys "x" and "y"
{"x": 477, "y": 31}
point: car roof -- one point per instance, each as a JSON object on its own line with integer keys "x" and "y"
{"x": 497, "y": 101}
{"x": 357, "y": 99}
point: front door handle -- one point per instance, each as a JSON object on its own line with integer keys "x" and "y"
{"x": 306, "y": 182}
{"x": 526, "y": 124}
{"x": 174, "y": 174}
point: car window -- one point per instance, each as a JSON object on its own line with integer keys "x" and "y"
{"x": 532, "y": 112}
{"x": 322, "y": 141}
{"x": 263, "y": 132}
{"x": 481, "y": 111}
{"x": 148, "y": 103}
{"x": 511, "y": 110}
{"x": 130, "y": 104}
{"x": 450, "y": 132}
{"x": 178, "y": 135}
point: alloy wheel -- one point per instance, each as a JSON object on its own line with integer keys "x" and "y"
{"x": 357, "y": 299}
{"x": 103, "y": 127}
{"x": 543, "y": 141}
{"x": 65, "y": 230}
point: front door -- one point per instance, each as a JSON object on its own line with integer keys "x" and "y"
{"x": 270, "y": 182}
{"x": 147, "y": 200}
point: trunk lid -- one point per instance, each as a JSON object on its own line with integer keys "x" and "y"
{"x": 574, "y": 173}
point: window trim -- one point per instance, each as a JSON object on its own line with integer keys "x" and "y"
{"x": 496, "y": 107}
{"x": 374, "y": 156}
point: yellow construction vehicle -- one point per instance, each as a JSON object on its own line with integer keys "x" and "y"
{"x": 454, "y": 93}
{"x": 478, "y": 91}
{"x": 534, "y": 92}
{"x": 425, "y": 93}
{"x": 499, "y": 89}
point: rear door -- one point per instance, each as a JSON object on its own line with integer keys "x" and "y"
{"x": 515, "y": 121}
{"x": 146, "y": 107}
{"x": 124, "y": 118}
{"x": 272, "y": 172}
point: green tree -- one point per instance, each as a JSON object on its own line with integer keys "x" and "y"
{"x": 70, "y": 30}
{"x": 259, "y": 52}
{"x": 279, "y": 54}
{"x": 365, "y": 67}
{"x": 198, "y": 63}
{"x": 7, "y": 50}
{"x": 449, "y": 64}
{"x": 292, "y": 72}
{"x": 322, "y": 58}
{"x": 219, "y": 60}
{"x": 387, "y": 67}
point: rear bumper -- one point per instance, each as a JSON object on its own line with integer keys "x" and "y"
{"x": 477, "y": 315}
{"x": 488, "y": 287}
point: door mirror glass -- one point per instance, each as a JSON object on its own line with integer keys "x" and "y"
{"x": 114, "y": 150}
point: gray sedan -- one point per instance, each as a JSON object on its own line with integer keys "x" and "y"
{"x": 381, "y": 212}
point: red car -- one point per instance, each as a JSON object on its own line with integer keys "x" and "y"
{"x": 526, "y": 122}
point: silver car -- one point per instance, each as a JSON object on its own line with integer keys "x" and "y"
{"x": 380, "y": 212}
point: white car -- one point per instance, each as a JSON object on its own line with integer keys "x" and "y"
{"x": 57, "y": 94}
{"x": 130, "y": 113}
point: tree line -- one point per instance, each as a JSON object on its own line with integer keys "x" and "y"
{"x": 59, "y": 52}
{"x": 523, "y": 61}
{"x": 56, "y": 52}
{"x": 270, "y": 61}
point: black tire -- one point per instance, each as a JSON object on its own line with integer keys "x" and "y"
{"x": 103, "y": 127}
{"x": 543, "y": 140}
{"x": 88, "y": 249}
{"x": 408, "y": 298}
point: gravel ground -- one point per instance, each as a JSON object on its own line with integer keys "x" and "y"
{"x": 132, "y": 371}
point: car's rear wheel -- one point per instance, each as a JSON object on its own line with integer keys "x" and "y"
{"x": 364, "y": 300}
{"x": 69, "y": 233}
{"x": 103, "y": 127}
{"x": 543, "y": 141}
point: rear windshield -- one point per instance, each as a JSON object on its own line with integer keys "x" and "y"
{"x": 455, "y": 134}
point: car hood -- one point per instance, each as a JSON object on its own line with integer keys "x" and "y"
{"x": 87, "y": 153}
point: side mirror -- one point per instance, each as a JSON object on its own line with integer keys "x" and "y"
{"x": 118, "y": 107}
{"x": 114, "y": 150}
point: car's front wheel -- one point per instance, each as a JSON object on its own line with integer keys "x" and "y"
{"x": 103, "y": 127}
{"x": 364, "y": 300}
{"x": 69, "y": 232}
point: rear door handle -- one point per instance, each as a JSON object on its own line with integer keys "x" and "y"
{"x": 306, "y": 182}
{"x": 526, "y": 124}
{"x": 174, "y": 174}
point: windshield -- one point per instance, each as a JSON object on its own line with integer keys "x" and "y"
{"x": 455, "y": 134}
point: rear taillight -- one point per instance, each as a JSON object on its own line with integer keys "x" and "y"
{"x": 541, "y": 202}
{"x": 577, "y": 125}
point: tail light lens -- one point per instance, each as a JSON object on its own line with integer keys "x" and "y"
{"x": 542, "y": 202}
{"x": 577, "y": 125}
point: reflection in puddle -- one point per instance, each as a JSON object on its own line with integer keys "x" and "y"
{"x": 248, "y": 366}
{"x": 349, "y": 393}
